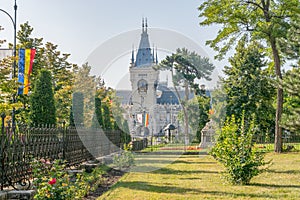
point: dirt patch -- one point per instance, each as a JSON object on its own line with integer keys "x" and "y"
{"x": 110, "y": 178}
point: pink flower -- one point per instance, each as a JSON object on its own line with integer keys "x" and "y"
{"x": 52, "y": 181}
{"x": 48, "y": 162}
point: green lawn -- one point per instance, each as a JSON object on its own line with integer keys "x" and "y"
{"x": 197, "y": 177}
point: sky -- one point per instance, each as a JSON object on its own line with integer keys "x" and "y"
{"x": 81, "y": 27}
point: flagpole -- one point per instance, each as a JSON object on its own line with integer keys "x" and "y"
{"x": 14, "y": 21}
{"x": 14, "y": 65}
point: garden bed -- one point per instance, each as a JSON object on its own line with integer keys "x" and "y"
{"x": 109, "y": 179}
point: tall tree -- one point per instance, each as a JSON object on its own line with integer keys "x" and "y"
{"x": 8, "y": 86}
{"x": 187, "y": 68}
{"x": 77, "y": 110}
{"x": 125, "y": 136}
{"x": 98, "y": 118}
{"x": 291, "y": 114}
{"x": 248, "y": 87}
{"x": 265, "y": 20}
{"x": 218, "y": 105}
{"x": 49, "y": 57}
{"x": 291, "y": 48}
{"x": 290, "y": 45}
{"x": 85, "y": 83}
{"x": 107, "y": 123}
{"x": 42, "y": 109}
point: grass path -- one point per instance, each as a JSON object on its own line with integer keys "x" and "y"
{"x": 197, "y": 177}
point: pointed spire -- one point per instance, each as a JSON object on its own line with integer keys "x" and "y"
{"x": 144, "y": 56}
{"x": 132, "y": 55}
{"x": 146, "y": 25}
{"x": 153, "y": 54}
{"x": 156, "y": 59}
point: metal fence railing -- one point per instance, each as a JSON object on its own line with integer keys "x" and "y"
{"x": 21, "y": 144}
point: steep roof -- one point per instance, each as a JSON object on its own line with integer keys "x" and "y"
{"x": 144, "y": 56}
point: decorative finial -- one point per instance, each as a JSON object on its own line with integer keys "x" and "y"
{"x": 132, "y": 55}
{"x": 153, "y": 53}
{"x": 143, "y": 25}
{"x": 146, "y": 24}
{"x": 156, "y": 56}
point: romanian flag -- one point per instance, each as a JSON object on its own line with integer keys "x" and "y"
{"x": 146, "y": 119}
{"x": 26, "y": 57}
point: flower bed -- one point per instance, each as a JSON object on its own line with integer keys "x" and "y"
{"x": 52, "y": 181}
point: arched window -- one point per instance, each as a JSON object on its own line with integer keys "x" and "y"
{"x": 142, "y": 86}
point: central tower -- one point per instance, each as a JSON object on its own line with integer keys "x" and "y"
{"x": 144, "y": 80}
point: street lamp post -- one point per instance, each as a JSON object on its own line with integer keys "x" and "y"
{"x": 14, "y": 21}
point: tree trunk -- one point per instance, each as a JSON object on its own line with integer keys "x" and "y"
{"x": 183, "y": 105}
{"x": 279, "y": 104}
{"x": 186, "y": 117}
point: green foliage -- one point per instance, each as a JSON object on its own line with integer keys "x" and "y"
{"x": 204, "y": 106}
{"x": 188, "y": 67}
{"x": 76, "y": 114}
{"x": 198, "y": 114}
{"x": 42, "y": 109}
{"x": 249, "y": 88}
{"x": 125, "y": 135}
{"x": 291, "y": 82}
{"x": 107, "y": 124}
{"x": 262, "y": 20}
{"x": 52, "y": 181}
{"x": 50, "y": 58}
{"x": 125, "y": 159}
{"x": 98, "y": 118}
{"x": 291, "y": 113}
{"x": 236, "y": 151}
{"x": 8, "y": 86}
{"x": 266, "y": 22}
{"x": 219, "y": 98}
{"x": 290, "y": 45}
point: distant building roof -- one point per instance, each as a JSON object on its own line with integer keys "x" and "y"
{"x": 144, "y": 56}
{"x": 165, "y": 95}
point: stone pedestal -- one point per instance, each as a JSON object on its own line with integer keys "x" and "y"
{"x": 207, "y": 135}
{"x": 21, "y": 194}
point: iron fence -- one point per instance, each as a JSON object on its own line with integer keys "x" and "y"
{"x": 21, "y": 144}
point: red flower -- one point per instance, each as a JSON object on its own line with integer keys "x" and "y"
{"x": 52, "y": 181}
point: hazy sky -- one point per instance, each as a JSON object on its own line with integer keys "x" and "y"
{"x": 78, "y": 27}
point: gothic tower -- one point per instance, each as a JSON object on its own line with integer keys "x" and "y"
{"x": 144, "y": 81}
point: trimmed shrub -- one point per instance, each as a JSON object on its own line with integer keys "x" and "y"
{"x": 236, "y": 151}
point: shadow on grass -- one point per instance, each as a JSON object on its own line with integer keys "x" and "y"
{"x": 187, "y": 162}
{"x": 274, "y": 185}
{"x": 284, "y": 172}
{"x": 177, "y": 172}
{"x": 198, "y": 178}
{"x": 151, "y": 161}
{"x": 144, "y": 186}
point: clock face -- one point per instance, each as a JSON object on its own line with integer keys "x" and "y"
{"x": 142, "y": 86}
{"x": 158, "y": 93}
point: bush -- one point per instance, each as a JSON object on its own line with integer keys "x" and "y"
{"x": 52, "y": 181}
{"x": 235, "y": 150}
{"x": 125, "y": 159}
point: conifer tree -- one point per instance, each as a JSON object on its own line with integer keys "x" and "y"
{"x": 97, "y": 119}
{"x": 107, "y": 125}
{"x": 42, "y": 109}
{"x": 264, "y": 21}
{"x": 248, "y": 87}
{"x": 76, "y": 116}
{"x": 291, "y": 84}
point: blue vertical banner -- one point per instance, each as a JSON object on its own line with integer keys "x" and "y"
{"x": 21, "y": 70}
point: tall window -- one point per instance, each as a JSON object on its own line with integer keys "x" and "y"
{"x": 142, "y": 86}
